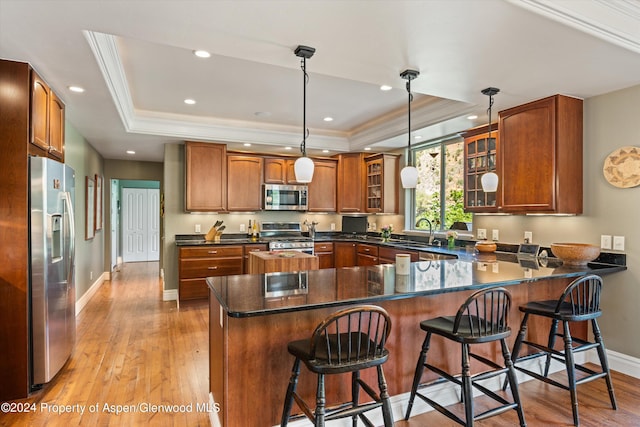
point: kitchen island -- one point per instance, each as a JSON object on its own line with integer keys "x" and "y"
{"x": 253, "y": 317}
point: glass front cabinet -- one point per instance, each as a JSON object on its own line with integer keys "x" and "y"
{"x": 480, "y": 153}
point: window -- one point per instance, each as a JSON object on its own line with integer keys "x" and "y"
{"x": 439, "y": 195}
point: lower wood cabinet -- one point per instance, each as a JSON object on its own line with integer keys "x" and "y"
{"x": 195, "y": 264}
{"x": 367, "y": 254}
{"x": 388, "y": 255}
{"x": 324, "y": 252}
{"x": 345, "y": 254}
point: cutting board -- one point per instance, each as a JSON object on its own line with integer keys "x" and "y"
{"x": 270, "y": 262}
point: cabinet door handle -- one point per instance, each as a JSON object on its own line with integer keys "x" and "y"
{"x": 366, "y": 249}
{"x": 212, "y": 268}
{"x": 213, "y": 252}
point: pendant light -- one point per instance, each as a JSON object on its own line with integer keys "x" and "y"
{"x": 490, "y": 179}
{"x": 409, "y": 174}
{"x": 304, "y": 165}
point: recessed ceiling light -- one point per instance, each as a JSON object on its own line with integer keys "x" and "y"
{"x": 246, "y": 144}
{"x": 385, "y": 87}
{"x": 367, "y": 148}
{"x": 201, "y": 53}
{"x": 325, "y": 151}
{"x": 472, "y": 117}
{"x": 328, "y": 119}
{"x": 131, "y": 152}
{"x": 287, "y": 148}
{"x": 189, "y": 101}
{"x": 76, "y": 89}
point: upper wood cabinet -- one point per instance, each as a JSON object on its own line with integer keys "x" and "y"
{"x": 382, "y": 183}
{"x": 540, "y": 156}
{"x": 351, "y": 181}
{"x": 47, "y": 120}
{"x": 323, "y": 186}
{"x": 279, "y": 171}
{"x": 205, "y": 177}
{"x": 244, "y": 181}
{"x": 480, "y": 154}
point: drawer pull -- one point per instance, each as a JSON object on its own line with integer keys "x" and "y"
{"x": 212, "y": 268}
{"x": 366, "y": 249}
{"x": 213, "y": 252}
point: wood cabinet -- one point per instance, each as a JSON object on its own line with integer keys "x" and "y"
{"x": 279, "y": 171}
{"x": 196, "y": 263}
{"x": 345, "y": 254}
{"x": 47, "y": 120}
{"x": 367, "y": 254}
{"x": 324, "y": 252}
{"x": 205, "y": 177}
{"x": 388, "y": 255}
{"x": 540, "y": 156}
{"x": 247, "y": 249}
{"x": 480, "y": 154}
{"x": 351, "y": 174}
{"x": 244, "y": 182}
{"x": 382, "y": 183}
{"x": 323, "y": 188}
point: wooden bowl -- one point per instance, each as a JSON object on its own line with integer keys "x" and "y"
{"x": 575, "y": 253}
{"x": 485, "y": 246}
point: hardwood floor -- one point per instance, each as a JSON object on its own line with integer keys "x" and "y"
{"x": 131, "y": 349}
{"x": 134, "y": 349}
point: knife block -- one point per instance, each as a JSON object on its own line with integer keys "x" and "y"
{"x": 212, "y": 235}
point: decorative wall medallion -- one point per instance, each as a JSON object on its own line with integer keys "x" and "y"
{"x": 622, "y": 167}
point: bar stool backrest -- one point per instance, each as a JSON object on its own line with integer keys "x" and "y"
{"x": 484, "y": 313}
{"x": 362, "y": 332}
{"x": 583, "y": 295}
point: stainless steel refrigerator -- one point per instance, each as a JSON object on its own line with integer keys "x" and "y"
{"x": 52, "y": 264}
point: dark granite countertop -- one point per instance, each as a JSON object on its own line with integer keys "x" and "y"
{"x": 264, "y": 294}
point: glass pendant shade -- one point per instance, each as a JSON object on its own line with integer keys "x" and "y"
{"x": 409, "y": 177}
{"x": 489, "y": 182}
{"x": 304, "y": 169}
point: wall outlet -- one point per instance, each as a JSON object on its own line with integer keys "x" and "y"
{"x": 605, "y": 242}
{"x": 495, "y": 235}
{"x": 528, "y": 237}
{"x": 482, "y": 233}
{"x": 242, "y": 228}
{"x": 197, "y": 227}
{"x": 91, "y": 275}
{"x": 333, "y": 226}
{"x": 618, "y": 243}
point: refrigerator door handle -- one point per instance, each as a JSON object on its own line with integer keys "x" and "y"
{"x": 66, "y": 196}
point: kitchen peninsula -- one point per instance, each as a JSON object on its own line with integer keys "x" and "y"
{"x": 253, "y": 317}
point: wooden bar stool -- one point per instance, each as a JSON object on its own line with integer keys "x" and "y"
{"x": 579, "y": 302}
{"x": 347, "y": 341}
{"x": 483, "y": 318}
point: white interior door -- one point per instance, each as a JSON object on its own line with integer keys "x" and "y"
{"x": 115, "y": 222}
{"x": 141, "y": 224}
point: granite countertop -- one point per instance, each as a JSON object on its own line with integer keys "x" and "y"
{"x": 249, "y": 295}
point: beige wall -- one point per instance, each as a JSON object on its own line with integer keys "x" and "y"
{"x": 610, "y": 122}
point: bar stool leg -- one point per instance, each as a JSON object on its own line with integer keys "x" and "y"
{"x": 513, "y": 381}
{"x": 467, "y": 389}
{"x": 320, "y": 402}
{"x": 517, "y": 344}
{"x": 355, "y": 393}
{"x": 551, "y": 343}
{"x": 288, "y": 400}
{"x": 571, "y": 372}
{"x": 418, "y": 374}
{"x": 387, "y": 415}
{"x": 604, "y": 363}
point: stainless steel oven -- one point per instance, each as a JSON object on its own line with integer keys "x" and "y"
{"x": 286, "y": 236}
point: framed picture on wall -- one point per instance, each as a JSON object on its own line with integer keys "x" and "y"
{"x": 89, "y": 206}
{"x": 99, "y": 203}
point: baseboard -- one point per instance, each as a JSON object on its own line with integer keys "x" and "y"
{"x": 86, "y": 297}
{"x": 619, "y": 362}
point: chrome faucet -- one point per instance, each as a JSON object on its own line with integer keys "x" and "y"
{"x": 311, "y": 226}
{"x": 430, "y": 228}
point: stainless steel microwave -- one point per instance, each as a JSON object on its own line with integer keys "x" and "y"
{"x": 285, "y": 197}
{"x": 278, "y": 285}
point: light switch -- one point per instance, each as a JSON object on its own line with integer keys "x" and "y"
{"x": 333, "y": 226}
{"x": 197, "y": 228}
{"x": 618, "y": 243}
{"x": 495, "y": 236}
{"x": 605, "y": 241}
{"x": 242, "y": 228}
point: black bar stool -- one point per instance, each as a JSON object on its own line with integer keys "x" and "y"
{"x": 483, "y": 318}
{"x": 579, "y": 302}
{"x": 347, "y": 341}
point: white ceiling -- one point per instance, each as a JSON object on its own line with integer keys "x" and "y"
{"x": 134, "y": 58}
